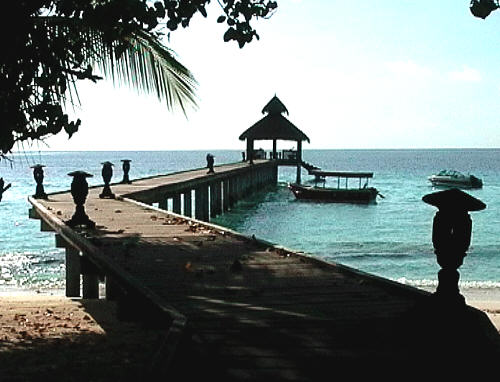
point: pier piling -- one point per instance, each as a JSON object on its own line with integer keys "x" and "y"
{"x": 73, "y": 270}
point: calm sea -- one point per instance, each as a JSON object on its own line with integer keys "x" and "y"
{"x": 391, "y": 238}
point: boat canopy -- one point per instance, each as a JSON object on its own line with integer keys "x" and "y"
{"x": 342, "y": 174}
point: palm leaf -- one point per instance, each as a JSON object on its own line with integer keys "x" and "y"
{"x": 137, "y": 60}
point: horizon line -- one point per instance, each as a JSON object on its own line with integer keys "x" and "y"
{"x": 225, "y": 149}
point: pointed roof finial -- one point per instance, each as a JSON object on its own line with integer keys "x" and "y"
{"x": 275, "y": 106}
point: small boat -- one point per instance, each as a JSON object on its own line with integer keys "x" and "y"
{"x": 361, "y": 194}
{"x": 452, "y": 178}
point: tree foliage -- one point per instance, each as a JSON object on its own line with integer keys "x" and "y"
{"x": 56, "y": 43}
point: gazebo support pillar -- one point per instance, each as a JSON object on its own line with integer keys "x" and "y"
{"x": 299, "y": 161}
{"x": 250, "y": 150}
{"x": 275, "y": 154}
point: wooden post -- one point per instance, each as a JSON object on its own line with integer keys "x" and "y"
{"x": 201, "y": 203}
{"x": 112, "y": 289}
{"x": 45, "y": 227}
{"x": 232, "y": 191}
{"x": 299, "y": 161}
{"x": 225, "y": 194}
{"x": 73, "y": 270}
{"x": 213, "y": 200}
{"x": 216, "y": 199}
{"x": 176, "y": 203}
{"x": 90, "y": 279}
{"x": 250, "y": 150}
{"x": 243, "y": 185}
{"x": 275, "y": 154}
{"x": 187, "y": 203}
{"x": 238, "y": 185}
{"x": 163, "y": 203}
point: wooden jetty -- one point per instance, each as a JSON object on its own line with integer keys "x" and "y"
{"x": 234, "y": 307}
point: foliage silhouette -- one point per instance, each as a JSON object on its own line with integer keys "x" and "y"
{"x": 56, "y": 43}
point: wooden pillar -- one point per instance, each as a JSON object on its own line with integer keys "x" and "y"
{"x": 163, "y": 203}
{"x": 238, "y": 187}
{"x": 188, "y": 204}
{"x": 232, "y": 191}
{"x": 299, "y": 161}
{"x": 201, "y": 202}
{"x": 112, "y": 289}
{"x": 244, "y": 185}
{"x": 176, "y": 203}
{"x": 250, "y": 150}
{"x": 225, "y": 195}
{"x": 73, "y": 270}
{"x": 275, "y": 153}
{"x": 90, "y": 279}
{"x": 218, "y": 198}
{"x": 213, "y": 201}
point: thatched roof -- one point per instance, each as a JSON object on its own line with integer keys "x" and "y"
{"x": 275, "y": 106}
{"x": 274, "y": 125}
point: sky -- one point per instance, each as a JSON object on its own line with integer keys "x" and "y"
{"x": 353, "y": 75}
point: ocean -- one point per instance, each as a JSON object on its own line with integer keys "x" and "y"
{"x": 391, "y": 238}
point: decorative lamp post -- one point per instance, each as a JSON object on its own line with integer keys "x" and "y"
{"x": 79, "y": 191}
{"x": 210, "y": 163}
{"x": 107, "y": 174}
{"x": 482, "y": 8}
{"x": 38, "y": 175}
{"x": 451, "y": 235}
{"x": 126, "y": 169}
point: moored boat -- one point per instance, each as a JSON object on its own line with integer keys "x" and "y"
{"x": 452, "y": 178}
{"x": 361, "y": 194}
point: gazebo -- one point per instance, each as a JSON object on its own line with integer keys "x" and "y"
{"x": 273, "y": 126}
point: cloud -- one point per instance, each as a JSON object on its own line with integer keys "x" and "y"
{"x": 466, "y": 74}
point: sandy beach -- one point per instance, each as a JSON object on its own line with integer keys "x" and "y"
{"x": 51, "y": 336}
{"x": 487, "y": 300}
{"x": 44, "y": 337}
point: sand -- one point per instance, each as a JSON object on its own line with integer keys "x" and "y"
{"x": 47, "y": 337}
{"x": 487, "y": 300}
{"x": 54, "y": 338}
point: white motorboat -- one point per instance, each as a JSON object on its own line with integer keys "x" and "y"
{"x": 452, "y": 178}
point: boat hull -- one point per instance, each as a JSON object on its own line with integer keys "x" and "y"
{"x": 334, "y": 195}
{"x": 466, "y": 182}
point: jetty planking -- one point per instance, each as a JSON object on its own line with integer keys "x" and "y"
{"x": 236, "y": 307}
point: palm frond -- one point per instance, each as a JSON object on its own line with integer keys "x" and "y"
{"x": 137, "y": 60}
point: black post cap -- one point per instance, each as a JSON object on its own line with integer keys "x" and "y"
{"x": 454, "y": 200}
{"x": 80, "y": 173}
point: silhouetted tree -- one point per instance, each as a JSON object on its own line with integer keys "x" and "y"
{"x": 48, "y": 45}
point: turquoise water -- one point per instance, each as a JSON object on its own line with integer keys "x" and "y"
{"x": 391, "y": 238}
